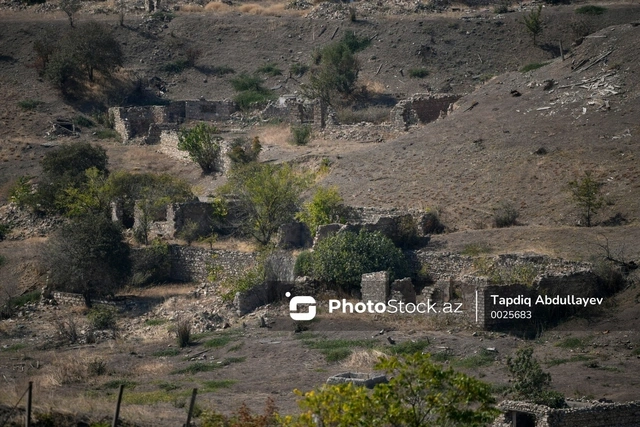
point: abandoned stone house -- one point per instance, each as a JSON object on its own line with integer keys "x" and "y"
{"x": 579, "y": 413}
{"x": 157, "y": 123}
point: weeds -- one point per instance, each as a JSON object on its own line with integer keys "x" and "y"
{"x": 418, "y": 73}
{"x": 183, "y": 332}
{"x": 475, "y": 249}
{"x": 102, "y": 317}
{"x": 196, "y": 367}
{"x": 270, "y": 69}
{"x": 591, "y": 10}
{"x": 572, "y": 343}
{"x": 29, "y": 104}
{"x": 532, "y": 66}
{"x": 410, "y": 347}
{"x": 301, "y": 134}
{"x": 214, "y": 385}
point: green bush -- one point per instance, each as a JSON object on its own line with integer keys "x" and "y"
{"x": 591, "y": 9}
{"x": 151, "y": 264}
{"x": 270, "y": 69}
{"x": 203, "y": 146}
{"x": 325, "y": 207}
{"x": 533, "y": 23}
{"x": 530, "y": 382}
{"x": 29, "y": 104}
{"x": 243, "y": 282}
{"x": 304, "y": 264}
{"x": 300, "y": 134}
{"x": 298, "y": 69}
{"x": 5, "y": 228}
{"x": 102, "y": 317}
{"x": 336, "y": 70}
{"x": 418, "y": 73}
{"x": 176, "y": 66}
{"x": 83, "y": 121}
{"x": 586, "y": 195}
{"x": 355, "y": 43}
{"x": 241, "y": 152}
{"x": 343, "y": 258}
{"x": 505, "y": 215}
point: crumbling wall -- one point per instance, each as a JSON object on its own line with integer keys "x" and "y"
{"x": 578, "y": 414}
{"x": 421, "y": 108}
{"x": 209, "y": 111}
{"x": 375, "y": 286}
{"x": 190, "y": 264}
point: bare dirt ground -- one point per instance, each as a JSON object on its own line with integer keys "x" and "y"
{"x": 463, "y": 165}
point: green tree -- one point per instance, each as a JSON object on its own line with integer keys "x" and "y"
{"x": 419, "y": 393}
{"x": 336, "y": 71}
{"x": 268, "y": 197}
{"x": 87, "y": 256}
{"x": 325, "y": 207}
{"x": 530, "y": 382}
{"x": 533, "y": 22}
{"x": 586, "y": 194}
{"x": 70, "y": 7}
{"x": 343, "y": 258}
{"x": 203, "y": 146}
{"x": 95, "y": 49}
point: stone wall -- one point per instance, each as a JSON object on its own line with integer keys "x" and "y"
{"x": 209, "y": 111}
{"x": 578, "y": 414}
{"x": 421, "y": 108}
{"x": 190, "y": 264}
{"x": 375, "y": 286}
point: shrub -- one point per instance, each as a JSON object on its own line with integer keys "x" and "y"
{"x": 183, "y": 333}
{"x": 325, "y": 207}
{"x": 202, "y": 145}
{"x": 336, "y": 71}
{"x": 189, "y": 232}
{"x": 502, "y": 7}
{"x": 102, "y": 317}
{"x": 591, "y": 9}
{"x": 298, "y": 69}
{"x": 300, "y": 134}
{"x": 270, "y": 69}
{"x": 268, "y": 196}
{"x": 29, "y": 104}
{"x": 70, "y": 7}
{"x": 245, "y": 82}
{"x": 5, "y": 228}
{"x": 418, "y": 393}
{"x": 304, "y": 264}
{"x": 241, "y": 152}
{"x": 177, "y": 66}
{"x": 352, "y": 14}
{"x": 505, "y": 215}
{"x": 431, "y": 223}
{"x": 250, "y": 91}
{"x": 151, "y": 264}
{"x": 83, "y": 121}
{"x": 530, "y": 382}
{"x": 418, "y": 73}
{"x": 243, "y": 282}
{"x": 87, "y": 256}
{"x": 343, "y": 258}
{"x": 533, "y": 22}
{"x": 355, "y": 43}
{"x": 586, "y": 195}
{"x": 192, "y": 54}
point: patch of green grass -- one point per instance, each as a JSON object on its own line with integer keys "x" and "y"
{"x": 117, "y": 383}
{"x": 15, "y": 347}
{"x": 571, "y": 343}
{"x": 214, "y": 385}
{"x": 270, "y": 69}
{"x": 162, "y": 15}
{"x": 336, "y": 354}
{"x": 196, "y": 367}
{"x": 107, "y": 134}
{"x": 533, "y": 66}
{"x": 236, "y": 347}
{"x": 475, "y": 249}
{"x": 298, "y": 69}
{"x": 483, "y": 358}
{"x": 168, "y": 386}
{"x": 222, "y": 70}
{"x": 29, "y": 104}
{"x": 442, "y": 356}
{"x": 591, "y": 10}
{"x": 218, "y": 342}
{"x": 418, "y": 73}
{"x": 155, "y": 322}
{"x": 147, "y": 397}
{"x": 168, "y": 352}
{"x": 176, "y": 66}
{"x": 576, "y": 358}
{"x": 636, "y": 351}
{"x": 410, "y": 347}
{"x": 83, "y": 121}
{"x": 22, "y": 300}
{"x": 251, "y": 98}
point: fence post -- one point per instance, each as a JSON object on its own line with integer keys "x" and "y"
{"x": 27, "y": 421}
{"x": 191, "y": 405}
{"x": 117, "y": 413}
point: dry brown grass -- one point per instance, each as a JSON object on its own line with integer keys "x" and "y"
{"x": 372, "y": 86}
{"x": 274, "y": 135}
{"x": 191, "y": 8}
{"x": 277, "y": 9}
{"x": 216, "y": 6}
{"x": 362, "y": 360}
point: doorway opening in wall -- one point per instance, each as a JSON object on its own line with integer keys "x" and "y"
{"x": 522, "y": 419}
